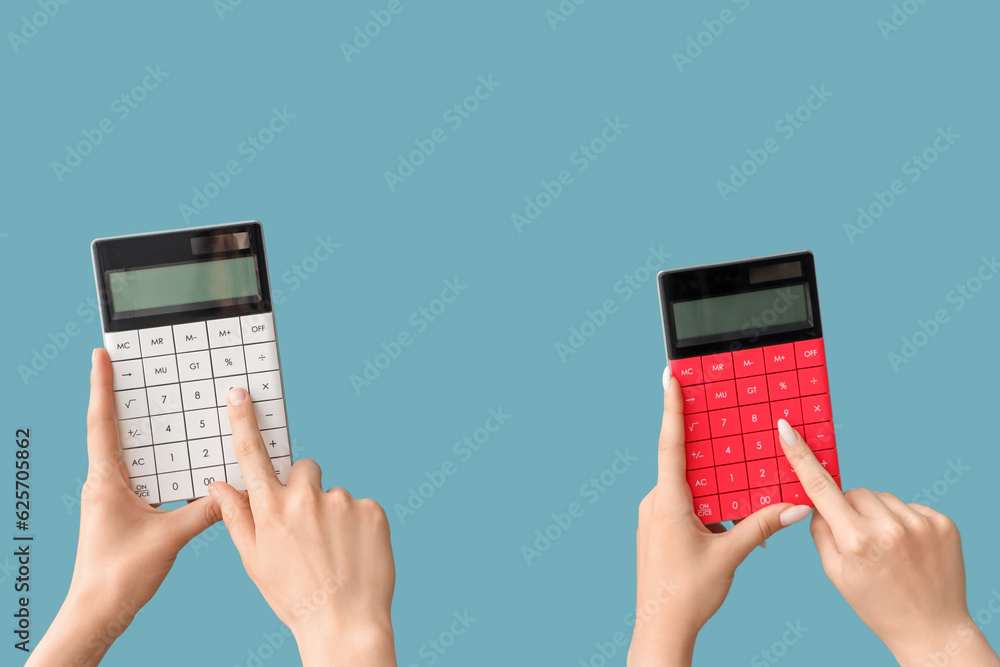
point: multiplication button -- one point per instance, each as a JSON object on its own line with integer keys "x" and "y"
{"x": 265, "y": 386}
{"x": 122, "y": 345}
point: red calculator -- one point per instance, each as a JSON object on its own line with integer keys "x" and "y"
{"x": 745, "y": 340}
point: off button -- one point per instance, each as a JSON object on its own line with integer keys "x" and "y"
{"x": 257, "y": 328}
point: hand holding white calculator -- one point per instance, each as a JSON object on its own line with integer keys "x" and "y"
{"x": 187, "y": 316}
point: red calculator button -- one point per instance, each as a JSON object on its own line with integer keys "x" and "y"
{"x": 702, "y": 482}
{"x": 816, "y": 409}
{"x": 694, "y": 399}
{"x": 758, "y": 445}
{"x": 735, "y": 505}
{"x": 761, "y": 498}
{"x": 752, "y": 390}
{"x": 728, "y": 450}
{"x": 725, "y": 422}
{"x": 828, "y": 459}
{"x": 813, "y": 381}
{"x": 820, "y": 436}
{"x": 779, "y": 358}
{"x": 837, "y": 480}
{"x": 688, "y": 371}
{"x": 762, "y": 473}
{"x": 749, "y": 362}
{"x": 783, "y": 385}
{"x": 732, "y": 477}
{"x": 707, "y": 509}
{"x": 790, "y": 411}
{"x": 721, "y": 395}
{"x": 717, "y": 367}
{"x": 794, "y": 493}
{"x": 810, "y": 353}
{"x": 785, "y": 472}
{"x": 696, "y": 427}
{"x": 755, "y": 417}
{"x": 699, "y": 455}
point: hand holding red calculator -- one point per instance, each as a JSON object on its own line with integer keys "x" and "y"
{"x": 745, "y": 341}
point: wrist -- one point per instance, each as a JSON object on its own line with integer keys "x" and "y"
{"x": 354, "y": 643}
{"x": 947, "y": 641}
{"x": 674, "y": 648}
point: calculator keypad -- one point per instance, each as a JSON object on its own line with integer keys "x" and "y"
{"x": 170, "y": 400}
{"x": 732, "y": 403}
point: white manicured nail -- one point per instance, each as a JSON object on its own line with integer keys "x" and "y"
{"x": 666, "y": 379}
{"x": 787, "y": 433}
{"x": 794, "y": 514}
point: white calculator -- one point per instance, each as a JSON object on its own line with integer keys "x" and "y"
{"x": 187, "y": 316}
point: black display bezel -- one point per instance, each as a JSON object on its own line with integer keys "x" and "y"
{"x": 726, "y": 278}
{"x": 175, "y": 247}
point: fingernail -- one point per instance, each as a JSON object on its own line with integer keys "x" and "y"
{"x": 215, "y": 493}
{"x": 666, "y": 379}
{"x": 787, "y": 433}
{"x": 794, "y": 514}
{"x": 237, "y": 395}
{"x": 93, "y": 356}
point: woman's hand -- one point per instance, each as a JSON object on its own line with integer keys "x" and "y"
{"x": 685, "y": 569}
{"x": 126, "y": 547}
{"x": 898, "y": 565}
{"x": 322, "y": 560}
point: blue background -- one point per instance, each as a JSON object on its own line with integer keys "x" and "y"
{"x": 323, "y": 176}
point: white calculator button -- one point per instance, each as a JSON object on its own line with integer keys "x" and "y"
{"x": 206, "y": 452}
{"x": 228, "y": 453}
{"x": 172, "y": 457}
{"x": 198, "y": 395}
{"x": 276, "y": 441}
{"x": 127, "y": 374}
{"x": 122, "y": 345}
{"x": 134, "y": 433}
{"x": 261, "y": 357}
{"x": 156, "y": 341}
{"x": 145, "y": 488}
{"x": 167, "y": 428}
{"x": 223, "y": 333}
{"x": 204, "y": 478}
{"x": 228, "y": 361}
{"x": 175, "y": 486}
{"x": 270, "y": 414}
{"x": 130, "y": 403}
{"x": 283, "y": 467}
{"x": 139, "y": 461}
{"x": 225, "y": 428}
{"x": 201, "y": 424}
{"x": 164, "y": 399}
{"x": 234, "y": 477}
{"x": 257, "y": 328}
{"x": 223, "y": 385}
{"x": 190, "y": 337}
{"x": 160, "y": 370}
{"x": 194, "y": 366}
{"x": 265, "y": 386}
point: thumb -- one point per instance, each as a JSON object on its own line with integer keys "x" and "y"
{"x": 752, "y": 531}
{"x": 236, "y": 514}
{"x": 189, "y": 520}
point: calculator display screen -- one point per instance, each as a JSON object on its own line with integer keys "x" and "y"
{"x": 738, "y": 315}
{"x": 176, "y": 287}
